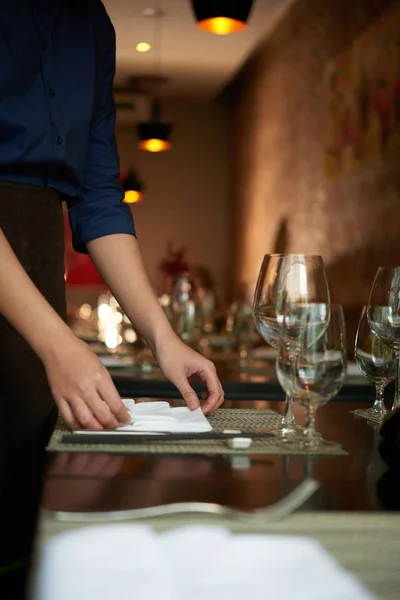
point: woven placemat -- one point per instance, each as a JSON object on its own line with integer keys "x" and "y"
{"x": 244, "y": 419}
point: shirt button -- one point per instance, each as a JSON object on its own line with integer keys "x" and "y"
{"x": 52, "y": 92}
{"x": 45, "y": 45}
{"x": 59, "y": 140}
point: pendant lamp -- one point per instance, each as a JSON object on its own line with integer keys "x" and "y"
{"x": 133, "y": 188}
{"x": 222, "y": 16}
{"x": 154, "y": 134}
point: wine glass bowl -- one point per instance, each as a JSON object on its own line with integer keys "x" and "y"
{"x": 317, "y": 372}
{"x": 384, "y": 314}
{"x": 266, "y": 323}
{"x": 376, "y": 361}
{"x": 299, "y": 318}
{"x": 385, "y": 324}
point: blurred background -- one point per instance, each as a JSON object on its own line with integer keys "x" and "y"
{"x": 285, "y": 137}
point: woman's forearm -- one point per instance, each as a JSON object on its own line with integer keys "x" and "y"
{"x": 25, "y": 308}
{"x": 118, "y": 260}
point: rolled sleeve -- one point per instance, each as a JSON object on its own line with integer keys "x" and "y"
{"x": 99, "y": 210}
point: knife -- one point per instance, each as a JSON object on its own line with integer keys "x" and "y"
{"x": 129, "y": 438}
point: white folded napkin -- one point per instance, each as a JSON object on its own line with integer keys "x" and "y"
{"x": 113, "y": 361}
{"x": 162, "y": 418}
{"x": 197, "y": 562}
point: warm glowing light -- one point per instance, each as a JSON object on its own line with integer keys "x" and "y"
{"x": 85, "y": 312}
{"x": 143, "y": 47}
{"x": 118, "y": 317}
{"x": 113, "y": 302}
{"x": 154, "y": 145}
{"x": 164, "y": 300}
{"x": 102, "y": 299}
{"x": 112, "y": 338}
{"x": 221, "y": 25}
{"x": 151, "y": 12}
{"x": 303, "y": 280}
{"x": 132, "y": 196}
{"x": 130, "y": 336}
{"x": 104, "y": 312}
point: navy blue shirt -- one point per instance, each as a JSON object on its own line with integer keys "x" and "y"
{"x": 57, "y": 111}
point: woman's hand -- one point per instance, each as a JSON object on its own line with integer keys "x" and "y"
{"x": 83, "y": 389}
{"x": 179, "y": 363}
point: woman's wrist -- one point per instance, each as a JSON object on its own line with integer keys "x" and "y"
{"x": 53, "y": 339}
{"x": 161, "y": 339}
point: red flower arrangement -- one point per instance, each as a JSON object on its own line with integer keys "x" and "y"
{"x": 175, "y": 264}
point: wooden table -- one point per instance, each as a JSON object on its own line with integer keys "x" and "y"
{"x": 84, "y": 482}
{"x": 358, "y": 484}
{"x": 90, "y": 483}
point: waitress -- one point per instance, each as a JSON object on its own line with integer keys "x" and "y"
{"x": 57, "y": 118}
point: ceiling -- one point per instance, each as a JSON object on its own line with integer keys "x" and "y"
{"x": 196, "y": 64}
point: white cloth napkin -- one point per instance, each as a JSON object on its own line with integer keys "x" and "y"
{"x": 198, "y": 562}
{"x": 162, "y": 418}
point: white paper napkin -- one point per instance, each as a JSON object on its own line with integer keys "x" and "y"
{"x": 162, "y": 418}
{"x": 199, "y": 562}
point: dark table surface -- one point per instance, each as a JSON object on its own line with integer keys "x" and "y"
{"x": 255, "y": 380}
{"x": 357, "y": 481}
{"x": 100, "y": 482}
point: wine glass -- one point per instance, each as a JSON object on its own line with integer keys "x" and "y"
{"x": 184, "y": 309}
{"x": 319, "y": 371}
{"x": 265, "y": 300}
{"x": 243, "y": 331}
{"x": 384, "y": 314}
{"x": 288, "y": 289}
{"x": 264, "y": 314}
{"x": 376, "y": 361}
{"x": 303, "y": 301}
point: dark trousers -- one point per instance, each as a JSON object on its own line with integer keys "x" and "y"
{"x": 31, "y": 219}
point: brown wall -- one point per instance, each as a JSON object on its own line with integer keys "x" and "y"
{"x": 283, "y": 201}
{"x": 186, "y": 194}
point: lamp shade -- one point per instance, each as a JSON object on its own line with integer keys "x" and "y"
{"x": 154, "y": 134}
{"x": 133, "y": 188}
{"x": 222, "y": 16}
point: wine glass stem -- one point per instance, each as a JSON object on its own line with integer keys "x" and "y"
{"x": 309, "y": 429}
{"x": 288, "y": 416}
{"x": 379, "y": 405}
{"x": 396, "y": 402}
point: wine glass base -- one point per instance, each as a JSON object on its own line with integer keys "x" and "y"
{"x": 318, "y": 443}
{"x": 371, "y": 414}
{"x": 295, "y": 441}
{"x": 287, "y": 434}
